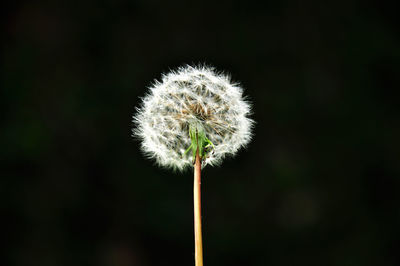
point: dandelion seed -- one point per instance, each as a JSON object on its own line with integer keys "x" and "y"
{"x": 192, "y": 95}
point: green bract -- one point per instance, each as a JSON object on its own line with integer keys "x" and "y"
{"x": 199, "y": 140}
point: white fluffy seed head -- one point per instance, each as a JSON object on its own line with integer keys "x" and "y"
{"x": 192, "y": 95}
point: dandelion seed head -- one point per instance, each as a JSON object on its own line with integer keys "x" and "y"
{"x": 192, "y": 95}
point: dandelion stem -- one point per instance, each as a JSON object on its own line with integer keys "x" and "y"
{"x": 197, "y": 211}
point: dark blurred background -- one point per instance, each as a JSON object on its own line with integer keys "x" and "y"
{"x": 318, "y": 185}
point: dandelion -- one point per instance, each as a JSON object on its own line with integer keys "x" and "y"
{"x": 194, "y": 116}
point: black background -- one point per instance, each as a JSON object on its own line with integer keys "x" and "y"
{"x": 318, "y": 185}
